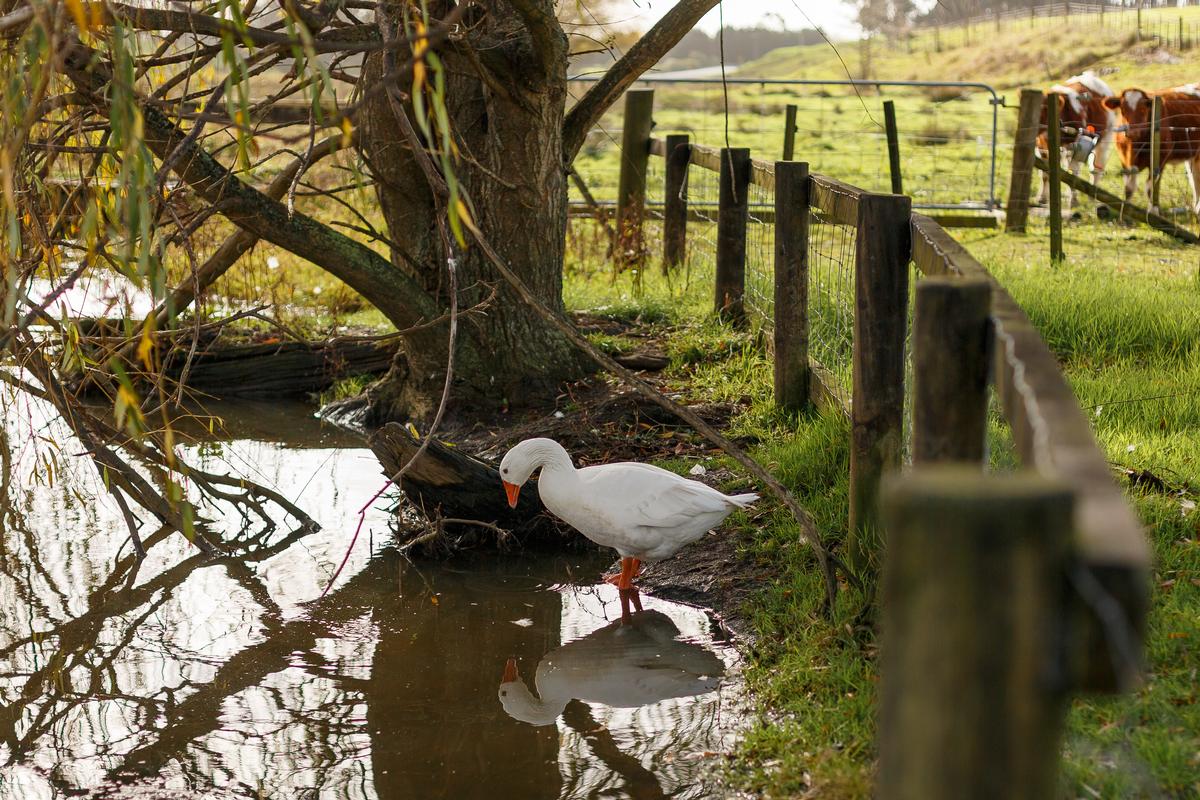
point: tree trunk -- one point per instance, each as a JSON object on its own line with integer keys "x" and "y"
{"x": 506, "y": 113}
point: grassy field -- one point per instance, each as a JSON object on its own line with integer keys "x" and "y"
{"x": 945, "y": 133}
{"x": 1129, "y": 342}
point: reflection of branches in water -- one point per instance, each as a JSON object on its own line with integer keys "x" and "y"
{"x": 47, "y": 697}
{"x": 155, "y": 454}
{"x": 640, "y": 783}
{"x": 199, "y": 714}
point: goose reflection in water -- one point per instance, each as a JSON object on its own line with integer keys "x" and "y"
{"x": 622, "y": 665}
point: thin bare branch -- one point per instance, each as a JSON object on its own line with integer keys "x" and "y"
{"x": 655, "y": 44}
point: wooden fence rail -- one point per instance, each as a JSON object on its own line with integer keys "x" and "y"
{"x": 1021, "y": 589}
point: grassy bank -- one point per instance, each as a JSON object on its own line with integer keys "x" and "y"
{"x": 1129, "y": 341}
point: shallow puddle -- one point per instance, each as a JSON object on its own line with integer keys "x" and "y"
{"x": 191, "y": 677}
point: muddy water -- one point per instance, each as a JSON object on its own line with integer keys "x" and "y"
{"x": 184, "y": 676}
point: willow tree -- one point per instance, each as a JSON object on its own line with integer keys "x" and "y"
{"x": 458, "y": 112}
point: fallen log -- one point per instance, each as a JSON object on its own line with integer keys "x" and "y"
{"x": 223, "y": 369}
{"x": 278, "y": 369}
{"x": 446, "y": 483}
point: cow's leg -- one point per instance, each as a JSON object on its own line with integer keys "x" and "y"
{"x": 1100, "y": 157}
{"x": 1044, "y": 195}
{"x": 1192, "y": 165}
{"x": 1066, "y": 163}
{"x": 1131, "y": 177}
{"x": 1075, "y": 167}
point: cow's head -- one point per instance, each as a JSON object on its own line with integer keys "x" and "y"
{"x": 1134, "y": 107}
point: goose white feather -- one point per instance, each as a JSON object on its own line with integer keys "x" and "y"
{"x": 640, "y": 510}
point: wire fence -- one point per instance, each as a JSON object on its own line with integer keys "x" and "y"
{"x": 831, "y": 248}
{"x": 702, "y": 190}
{"x": 1167, "y": 26}
{"x": 760, "y": 257}
{"x": 946, "y": 132}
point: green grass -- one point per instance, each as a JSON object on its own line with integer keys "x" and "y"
{"x": 1020, "y": 53}
{"x": 1123, "y": 315}
{"x": 1130, "y": 347}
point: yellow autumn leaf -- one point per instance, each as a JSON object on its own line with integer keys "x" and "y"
{"x": 80, "y": 15}
{"x": 465, "y": 215}
{"x": 422, "y": 44}
{"x": 145, "y": 348}
{"x": 347, "y": 130}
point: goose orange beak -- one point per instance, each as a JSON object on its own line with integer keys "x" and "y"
{"x": 510, "y": 671}
{"x": 512, "y": 490}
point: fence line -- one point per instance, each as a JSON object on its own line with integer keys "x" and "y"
{"x": 952, "y": 154}
{"x": 827, "y": 268}
{"x": 1165, "y": 25}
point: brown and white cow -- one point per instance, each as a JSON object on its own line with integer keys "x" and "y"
{"x": 1081, "y": 111}
{"x": 1179, "y": 137}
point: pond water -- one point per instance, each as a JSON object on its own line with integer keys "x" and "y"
{"x": 187, "y": 676}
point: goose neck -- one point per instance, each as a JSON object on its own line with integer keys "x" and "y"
{"x": 554, "y": 459}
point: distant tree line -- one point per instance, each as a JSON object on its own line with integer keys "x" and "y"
{"x": 698, "y": 48}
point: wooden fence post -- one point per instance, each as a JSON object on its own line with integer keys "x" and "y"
{"x": 1054, "y": 162}
{"x": 1024, "y": 143}
{"x": 972, "y": 699}
{"x": 789, "y": 132}
{"x": 1155, "y": 151}
{"x": 893, "y": 145}
{"x": 881, "y": 266}
{"x": 674, "y": 201}
{"x": 791, "y": 285}
{"x": 733, "y": 214}
{"x": 951, "y": 366}
{"x": 631, "y": 188}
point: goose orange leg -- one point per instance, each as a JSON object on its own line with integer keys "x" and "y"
{"x": 630, "y": 569}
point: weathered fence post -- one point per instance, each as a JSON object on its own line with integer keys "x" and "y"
{"x": 789, "y": 132}
{"x": 951, "y": 366}
{"x": 1054, "y": 164}
{"x": 791, "y": 285}
{"x": 674, "y": 201}
{"x": 881, "y": 267}
{"x": 1024, "y": 144}
{"x": 893, "y": 145}
{"x": 971, "y": 697}
{"x": 1155, "y": 151}
{"x": 733, "y": 214}
{"x": 631, "y": 188}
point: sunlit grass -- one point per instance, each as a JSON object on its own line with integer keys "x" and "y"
{"x": 1125, "y": 323}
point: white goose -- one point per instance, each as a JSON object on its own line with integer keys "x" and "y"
{"x": 644, "y": 512}
{"x": 620, "y": 666}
